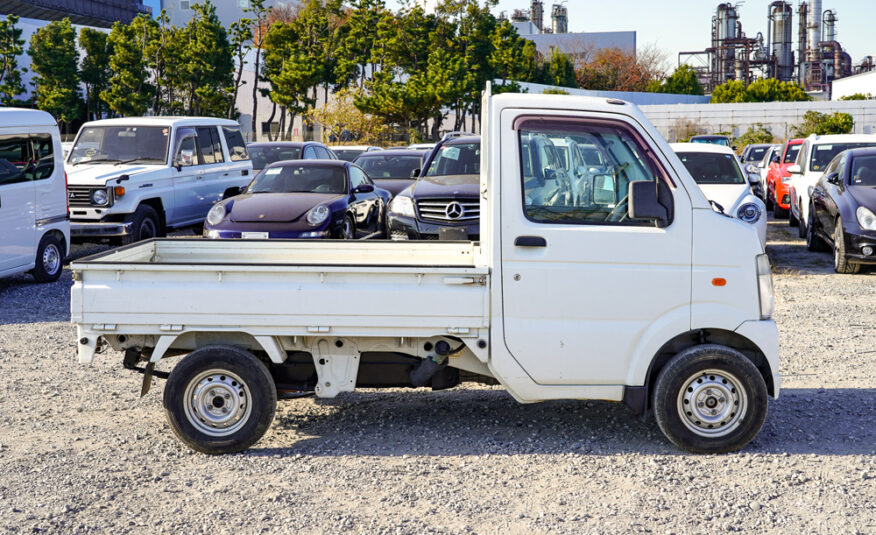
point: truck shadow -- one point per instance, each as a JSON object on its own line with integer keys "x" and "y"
{"x": 481, "y": 422}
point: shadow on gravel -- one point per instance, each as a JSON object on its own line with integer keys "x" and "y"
{"x": 802, "y": 421}
{"x": 23, "y": 300}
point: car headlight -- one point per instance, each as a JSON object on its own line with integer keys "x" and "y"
{"x": 318, "y": 214}
{"x": 216, "y": 214}
{"x": 765, "y": 286}
{"x": 403, "y": 206}
{"x": 99, "y": 197}
{"x": 866, "y": 218}
{"x": 748, "y": 212}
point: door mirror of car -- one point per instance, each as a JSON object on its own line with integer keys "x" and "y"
{"x": 754, "y": 178}
{"x": 795, "y": 170}
{"x": 416, "y": 172}
{"x": 184, "y": 158}
{"x": 650, "y": 201}
{"x": 363, "y": 188}
{"x": 774, "y": 158}
{"x": 231, "y": 192}
{"x": 734, "y": 147}
{"x": 751, "y": 168}
{"x": 833, "y": 178}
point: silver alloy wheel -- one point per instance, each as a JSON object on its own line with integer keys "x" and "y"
{"x": 712, "y": 403}
{"x": 347, "y": 229}
{"x": 217, "y": 403}
{"x": 51, "y": 259}
{"x": 837, "y": 236}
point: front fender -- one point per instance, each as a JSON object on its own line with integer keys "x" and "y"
{"x": 661, "y": 331}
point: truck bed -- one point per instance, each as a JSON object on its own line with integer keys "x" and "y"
{"x": 279, "y": 287}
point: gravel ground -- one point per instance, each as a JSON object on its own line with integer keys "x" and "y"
{"x": 80, "y": 452}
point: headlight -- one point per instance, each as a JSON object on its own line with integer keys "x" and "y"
{"x": 216, "y": 214}
{"x": 403, "y": 206}
{"x": 866, "y": 218}
{"x": 99, "y": 197}
{"x": 318, "y": 214}
{"x": 748, "y": 212}
{"x": 765, "y": 286}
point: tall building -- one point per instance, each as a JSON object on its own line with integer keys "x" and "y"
{"x": 99, "y": 13}
{"x": 180, "y": 11}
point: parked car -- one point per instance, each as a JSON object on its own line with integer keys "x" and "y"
{"x": 763, "y": 167}
{"x": 135, "y": 178}
{"x": 348, "y": 153}
{"x": 392, "y": 170}
{"x": 303, "y": 199}
{"x": 778, "y": 183}
{"x": 719, "y": 174}
{"x": 815, "y": 154}
{"x": 265, "y": 153}
{"x": 34, "y": 220}
{"x": 754, "y": 153}
{"x": 843, "y": 210}
{"x": 711, "y": 140}
{"x": 444, "y": 202}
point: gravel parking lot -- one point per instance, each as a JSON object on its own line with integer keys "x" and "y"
{"x": 80, "y": 452}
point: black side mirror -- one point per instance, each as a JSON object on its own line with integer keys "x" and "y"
{"x": 774, "y": 158}
{"x": 416, "y": 172}
{"x": 231, "y": 192}
{"x": 833, "y": 178}
{"x": 363, "y": 188}
{"x": 650, "y": 201}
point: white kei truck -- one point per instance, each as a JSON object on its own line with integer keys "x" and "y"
{"x": 629, "y": 287}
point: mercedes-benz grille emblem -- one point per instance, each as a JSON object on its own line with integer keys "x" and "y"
{"x": 454, "y": 210}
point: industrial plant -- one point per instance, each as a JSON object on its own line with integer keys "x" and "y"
{"x": 818, "y": 59}
{"x": 535, "y": 15}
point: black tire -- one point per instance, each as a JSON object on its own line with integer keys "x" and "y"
{"x": 348, "y": 229}
{"x": 144, "y": 225}
{"x": 702, "y": 375}
{"x": 779, "y": 212}
{"x": 814, "y": 242}
{"x": 239, "y": 381}
{"x": 840, "y": 262}
{"x": 49, "y": 259}
{"x": 792, "y": 219}
{"x": 767, "y": 200}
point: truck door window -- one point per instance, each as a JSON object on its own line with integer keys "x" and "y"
{"x": 211, "y": 152}
{"x": 43, "y": 156}
{"x": 591, "y": 184}
{"x": 15, "y": 165}
{"x": 236, "y": 145}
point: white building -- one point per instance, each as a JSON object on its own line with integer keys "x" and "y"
{"x": 864, "y": 83}
{"x": 180, "y": 11}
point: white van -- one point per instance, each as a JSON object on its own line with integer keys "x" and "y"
{"x": 34, "y": 221}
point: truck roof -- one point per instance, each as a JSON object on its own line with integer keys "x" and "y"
{"x": 162, "y": 121}
{"x": 842, "y": 138}
{"x": 25, "y": 117}
{"x": 701, "y": 147}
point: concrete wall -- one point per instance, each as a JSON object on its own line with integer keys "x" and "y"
{"x": 778, "y": 117}
{"x": 864, "y": 83}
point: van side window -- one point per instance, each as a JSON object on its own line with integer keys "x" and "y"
{"x": 211, "y": 151}
{"x": 579, "y": 172}
{"x": 43, "y": 156}
{"x": 14, "y": 160}
{"x": 236, "y": 145}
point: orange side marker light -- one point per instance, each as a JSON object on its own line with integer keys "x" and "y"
{"x": 719, "y": 282}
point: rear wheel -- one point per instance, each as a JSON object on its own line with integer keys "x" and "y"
{"x": 767, "y": 200}
{"x": 840, "y": 263}
{"x": 220, "y": 399}
{"x": 144, "y": 225}
{"x": 792, "y": 219}
{"x": 779, "y": 212}
{"x": 710, "y": 399}
{"x": 49, "y": 259}
{"x": 813, "y": 240}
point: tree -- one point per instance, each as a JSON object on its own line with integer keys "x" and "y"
{"x": 261, "y": 29}
{"x": 612, "y": 69}
{"x": 824, "y": 124}
{"x": 11, "y": 46}
{"x": 290, "y": 71}
{"x": 766, "y": 90}
{"x": 855, "y": 96}
{"x": 755, "y": 134}
{"x": 354, "y": 54}
{"x": 130, "y": 91}
{"x": 683, "y": 81}
{"x": 513, "y": 57}
{"x": 340, "y": 119}
{"x": 208, "y": 62}
{"x": 559, "y": 70}
{"x": 95, "y": 69}
{"x": 55, "y": 61}
{"x": 730, "y": 91}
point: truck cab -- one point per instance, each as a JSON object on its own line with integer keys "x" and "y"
{"x": 136, "y": 178}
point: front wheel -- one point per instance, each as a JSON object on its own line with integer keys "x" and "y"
{"x": 840, "y": 262}
{"x": 792, "y": 218}
{"x": 710, "y": 399}
{"x": 220, "y": 399}
{"x": 348, "y": 229}
{"x": 144, "y": 225}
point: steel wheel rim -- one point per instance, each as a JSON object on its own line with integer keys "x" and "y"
{"x": 51, "y": 259}
{"x": 712, "y": 403}
{"x": 217, "y": 403}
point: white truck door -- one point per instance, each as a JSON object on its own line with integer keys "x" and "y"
{"x": 17, "y": 203}
{"x": 581, "y": 282}
{"x": 187, "y": 176}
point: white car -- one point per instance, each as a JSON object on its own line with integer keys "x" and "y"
{"x": 724, "y": 182}
{"x": 34, "y": 224}
{"x": 814, "y": 156}
{"x": 135, "y": 178}
{"x": 348, "y": 153}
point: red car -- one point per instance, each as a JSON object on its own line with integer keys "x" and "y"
{"x": 778, "y": 178}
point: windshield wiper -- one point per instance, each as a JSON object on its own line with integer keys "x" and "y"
{"x": 98, "y": 160}
{"x": 122, "y": 162}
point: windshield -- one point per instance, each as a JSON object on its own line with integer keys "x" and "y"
{"x": 300, "y": 179}
{"x": 864, "y": 171}
{"x": 712, "y": 167}
{"x": 457, "y": 159}
{"x": 791, "y": 154}
{"x": 756, "y": 154}
{"x": 389, "y": 166}
{"x": 264, "y": 156}
{"x": 348, "y": 155}
{"x": 823, "y": 154}
{"x": 114, "y": 144}
{"x": 712, "y": 141}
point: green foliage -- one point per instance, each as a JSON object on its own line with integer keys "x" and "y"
{"x": 95, "y": 69}
{"x": 130, "y": 92}
{"x": 241, "y": 34}
{"x": 755, "y": 134}
{"x": 824, "y": 124}
{"x": 766, "y": 90}
{"x": 857, "y": 96}
{"x": 54, "y": 59}
{"x": 559, "y": 70}
{"x": 730, "y": 91}
{"x": 207, "y": 62}
{"x": 554, "y": 91}
{"x": 11, "y": 47}
{"x": 683, "y": 81}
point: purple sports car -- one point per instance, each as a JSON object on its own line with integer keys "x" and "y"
{"x": 303, "y": 199}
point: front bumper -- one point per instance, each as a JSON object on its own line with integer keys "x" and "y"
{"x": 100, "y": 229}
{"x": 408, "y": 228}
{"x": 782, "y": 195}
{"x": 855, "y": 244}
{"x": 281, "y": 235}
{"x": 765, "y": 335}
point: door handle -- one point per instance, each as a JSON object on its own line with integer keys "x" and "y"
{"x": 530, "y": 241}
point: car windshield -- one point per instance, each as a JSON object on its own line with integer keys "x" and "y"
{"x": 712, "y": 141}
{"x": 791, "y": 154}
{"x": 115, "y": 144}
{"x": 756, "y": 154}
{"x": 389, "y": 166}
{"x": 348, "y": 155}
{"x": 864, "y": 171}
{"x": 456, "y": 159}
{"x": 822, "y": 154}
{"x": 264, "y": 156}
{"x": 712, "y": 167}
{"x": 300, "y": 179}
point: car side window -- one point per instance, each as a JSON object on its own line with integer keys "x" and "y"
{"x": 187, "y": 151}
{"x": 357, "y": 177}
{"x": 15, "y": 163}
{"x": 208, "y": 142}
{"x": 570, "y": 191}
{"x": 309, "y": 153}
{"x": 43, "y": 156}
{"x": 236, "y": 146}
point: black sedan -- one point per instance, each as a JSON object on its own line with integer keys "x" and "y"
{"x": 392, "y": 169}
{"x": 265, "y": 153}
{"x": 843, "y": 211}
{"x": 303, "y": 199}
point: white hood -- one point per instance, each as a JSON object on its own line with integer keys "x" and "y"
{"x": 727, "y": 195}
{"x": 86, "y": 174}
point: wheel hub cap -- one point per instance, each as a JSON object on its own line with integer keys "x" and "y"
{"x": 51, "y": 259}
{"x": 217, "y": 403}
{"x": 712, "y": 403}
